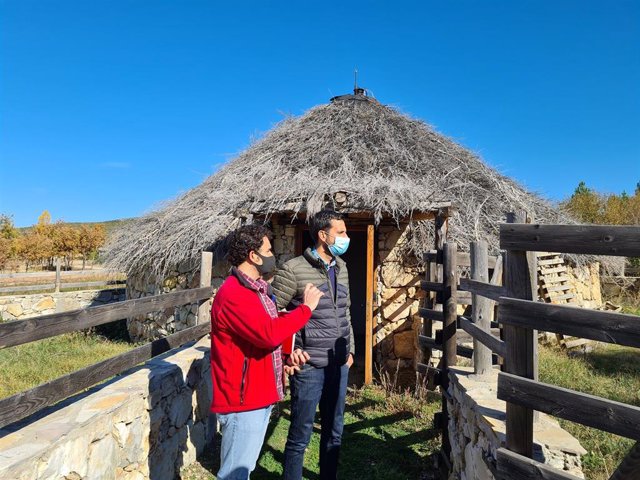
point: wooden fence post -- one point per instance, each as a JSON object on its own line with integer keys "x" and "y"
{"x": 58, "y": 279}
{"x": 206, "y": 267}
{"x": 449, "y": 343}
{"x": 481, "y": 307}
{"x": 520, "y": 349}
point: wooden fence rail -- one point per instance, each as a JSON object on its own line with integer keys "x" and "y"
{"x": 520, "y": 318}
{"x": 37, "y": 328}
{"x": 23, "y": 404}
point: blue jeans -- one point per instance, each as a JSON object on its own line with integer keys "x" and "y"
{"x": 242, "y": 438}
{"x": 312, "y": 386}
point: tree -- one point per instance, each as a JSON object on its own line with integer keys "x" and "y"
{"x": 585, "y": 204}
{"x": 8, "y": 235}
{"x": 34, "y": 247}
{"x": 7, "y": 229}
{"x": 90, "y": 240}
{"x": 43, "y": 227}
{"x": 65, "y": 242}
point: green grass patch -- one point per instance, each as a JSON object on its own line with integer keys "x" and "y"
{"x": 26, "y": 366}
{"x": 609, "y": 371}
{"x": 387, "y": 436}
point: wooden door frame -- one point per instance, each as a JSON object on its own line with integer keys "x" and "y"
{"x": 369, "y": 229}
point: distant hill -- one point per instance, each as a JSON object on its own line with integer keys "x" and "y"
{"x": 109, "y": 226}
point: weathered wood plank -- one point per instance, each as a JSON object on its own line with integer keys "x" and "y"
{"x": 431, "y": 286}
{"x": 558, "y": 288}
{"x": 589, "y": 410}
{"x": 560, "y": 296}
{"x": 431, "y": 343}
{"x": 551, "y": 261}
{"x": 450, "y": 307}
{"x": 629, "y": 468}
{"x": 29, "y": 330}
{"x": 23, "y": 404}
{"x": 494, "y": 292}
{"x": 206, "y": 269}
{"x": 431, "y": 314}
{"x": 28, "y": 288}
{"x": 511, "y": 466}
{"x": 604, "y": 326}
{"x": 463, "y": 259}
{"x": 520, "y": 346}
{"x": 369, "y": 329}
{"x": 549, "y": 271}
{"x": 590, "y": 239}
{"x": 494, "y": 344}
{"x": 481, "y": 309}
{"x": 464, "y": 298}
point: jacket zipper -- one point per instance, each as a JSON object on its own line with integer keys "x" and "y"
{"x": 245, "y": 365}
{"x": 334, "y": 299}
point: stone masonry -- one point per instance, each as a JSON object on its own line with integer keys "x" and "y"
{"x": 146, "y": 424}
{"x": 477, "y": 429}
{"x": 19, "y": 307}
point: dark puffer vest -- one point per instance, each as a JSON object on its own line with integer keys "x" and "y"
{"x": 328, "y": 337}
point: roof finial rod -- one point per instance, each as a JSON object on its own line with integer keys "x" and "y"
{"x": 356, "y": 89}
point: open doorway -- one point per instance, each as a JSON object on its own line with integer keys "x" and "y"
{"x": 356, "y": 260}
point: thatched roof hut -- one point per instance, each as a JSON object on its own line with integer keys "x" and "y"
{"x": 391, "y": 174}
{"x": 387, "y": 163}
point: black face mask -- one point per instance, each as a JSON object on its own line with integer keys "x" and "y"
{"x": 268, "y": 265}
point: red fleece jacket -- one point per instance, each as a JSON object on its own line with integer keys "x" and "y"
{"x": 243, "y": 337}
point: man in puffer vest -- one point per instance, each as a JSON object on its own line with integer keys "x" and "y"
{"x": 326, "y": 343}
{"x": 246, "y": 358}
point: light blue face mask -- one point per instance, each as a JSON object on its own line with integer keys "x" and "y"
{"x": 339, "y": 246}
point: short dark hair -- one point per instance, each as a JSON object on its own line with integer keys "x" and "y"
{"x": 245, "y": 239}
{"x": 322, "y": 221}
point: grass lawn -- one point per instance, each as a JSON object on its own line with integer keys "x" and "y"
{"x": 26, "y": 366}
{"x": 610, "y": 371}
{"x": 386, "y": 437}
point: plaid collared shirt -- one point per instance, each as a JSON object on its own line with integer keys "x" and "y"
{"x": 269, "y": 305}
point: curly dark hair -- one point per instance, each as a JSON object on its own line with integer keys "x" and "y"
{"x": 243, "y": 240}
{"x": 322, "y": 221}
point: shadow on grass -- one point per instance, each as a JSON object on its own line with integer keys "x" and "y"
{"x": 614, "y": 360}
{"x": 383, "y": 447}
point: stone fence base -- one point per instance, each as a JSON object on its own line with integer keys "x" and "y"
{"x": 146, "y": 424}
{"x": 477, "y": 429}
{"x": 19, "y": 307}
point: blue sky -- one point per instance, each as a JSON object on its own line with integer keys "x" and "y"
{"x": 108, "y": 108}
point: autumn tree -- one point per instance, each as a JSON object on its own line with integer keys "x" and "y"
{"x": 8, "y": 243}
{"x": 585, "y": 204}
{"x": 34, "y": 247}
{"x": 66, "y": 242}
{"x": 90, "y": 240}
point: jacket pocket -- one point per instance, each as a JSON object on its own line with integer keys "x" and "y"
{"x": 243, "y": 381}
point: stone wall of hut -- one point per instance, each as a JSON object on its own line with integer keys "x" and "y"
{"x": 159, "y": 324}
{"x": 585, "y": 281}
{"x": 398, "y": 298}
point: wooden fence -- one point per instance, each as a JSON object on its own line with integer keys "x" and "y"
{"x": 520, "y": 317}
{"x": 21, "y": 405}
{"x": 58, "y": 283}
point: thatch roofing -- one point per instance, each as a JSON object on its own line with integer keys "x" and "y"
{"x": 388, "y": 163}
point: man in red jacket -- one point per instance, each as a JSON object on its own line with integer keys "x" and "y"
{"x": 246, "y": 358}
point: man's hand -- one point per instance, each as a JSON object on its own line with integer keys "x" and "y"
{"x": 297, "y": 358}
{"x": 349, "y": 360}
{"x": 311, "y": 296}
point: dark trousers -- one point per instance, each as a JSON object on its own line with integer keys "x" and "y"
{"x": 312, "y": 386}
